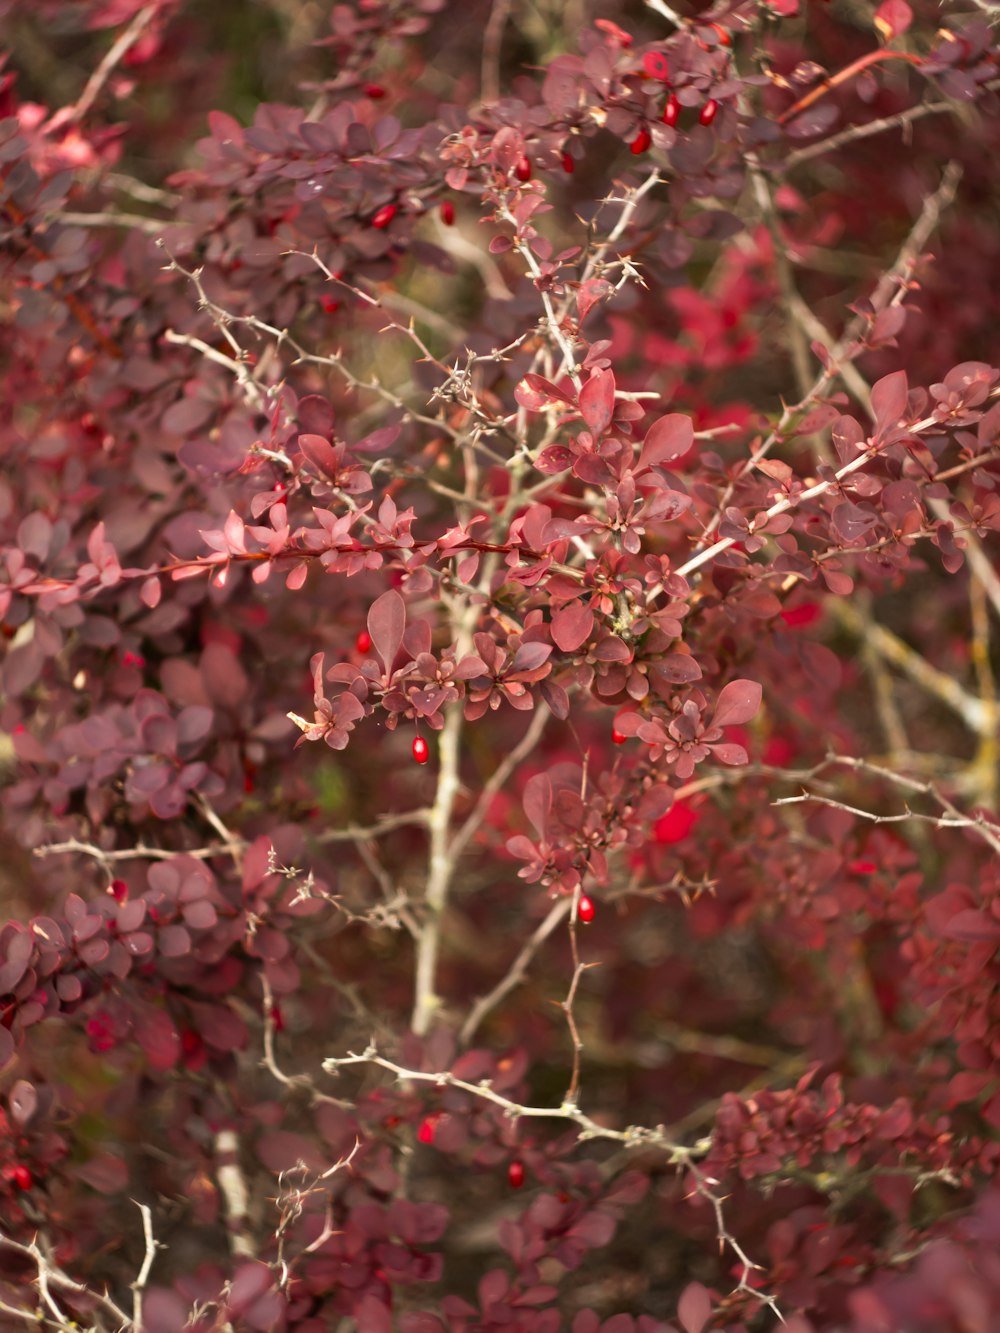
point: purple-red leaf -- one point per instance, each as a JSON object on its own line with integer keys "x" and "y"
{"x": 572, "y": 626}
{"x": 320, "y": 455}
{"x": 597, "y": 401}
{"x": 694, "y": 1309}
{"x": 667, "y": 439}
{"x": 386, "y": 624}
{"x": 889, "y": 396}
{"x": 738, "y": 703}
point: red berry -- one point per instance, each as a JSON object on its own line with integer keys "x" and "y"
{"x": 425, "y": 1134}
{"x": 709, "y": 111}
{"x": 363, "y": 643}
{"x": 568, "y": 164}
{"x": 447, "y": 213}
{"x": 672, "y": 111}
{"x": 330, "y": 305}
{"x": 22, "y": 1177}
{"x": 523, "y": 169}
{"x": 421, "y": 750}
{"x": 618, "y": 737}
{"x": 515, "y": 1175}
{"x": 654, "y": 64}
{"x": 191, "y": 1043}
{"x": 118, "y": 890}
{"x": 384, "y": 216}
{"x": 585, "y": 910}
{"x": 374, "y": 90}
{"x": 641, "y": 142}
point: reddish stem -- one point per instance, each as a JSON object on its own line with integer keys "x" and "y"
{"x": 848, "y": 72}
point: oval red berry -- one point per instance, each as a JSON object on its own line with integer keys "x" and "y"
{"x": 384, "y": 216}
{"x": 421, "y": 750}
{"x": 568, "y": 164}
{"x": 709, "y": 111}
{"x": 641, "y": 142}
{"x": 515, "y": 1175}
{"x": 363, "y": 643}
{"x": 448, "y": 213}
{"x": 618, "y": 737}
{"x": 523, "y": 169}
{"x": 672, "y": 111}
{"x": 585, "y": 910}
{"x": 22, "y": 1177}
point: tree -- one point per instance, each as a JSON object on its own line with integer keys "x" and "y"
{"x": 498, "y": 584}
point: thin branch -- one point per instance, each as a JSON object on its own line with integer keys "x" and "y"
{"x": 440, "y": 869}
{"x": 138, "y": 853}
{"x": 517, "y": 971}
{"x": 633, "y": 1136}
{"x": 142, "y": 1277}
{"x": 115, "y": 53}
{"x": 937, "y": 683}
{"x": 898, "y": 121}
{"x": 233, "y": 1188}
{"x": 492, "y": 43}
{"x": 130, "y": 221}
{"x": 51, "y": 1277}
{"x": 387, "y": 824}
{"x": 498, "y": 777}
{"x": 953, "y": 817}
{"x": 886, "y": 290}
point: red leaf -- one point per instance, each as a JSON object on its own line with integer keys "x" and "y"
{"x": 973, "y": 927}
{"x": 538, "y": 801}
{"x": 597, "y": 401}
{"x": 667, "y": 439}
{"x": 738, "y": 703}
{"x": 733, "y": 755}
{"x": 892, "y": 18}
{"x": 889, "y": 400}
{"x": 386, "y": 623}
{"x": 694, "y": 1309}
{"x": 150, "y": 592}
{"x": 572, "y": 626}
{"x": 320, "y": 454}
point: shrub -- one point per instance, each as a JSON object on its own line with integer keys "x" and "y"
{"x": 498, "y": 588}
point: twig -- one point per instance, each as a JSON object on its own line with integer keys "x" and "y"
{"x": 131, "y": 221}
{"x": 893, "y": 649}
{"x": 984, "y": 828}
{"x": 856, "y": 132}
{"x": 51, "y": 1277}
{"x": 440, "y": 869}
{"x": 633, "y": 1136}
{"x": 118, "y": 49}
{"x": 887, "y": 285}
{"x": 233, "y": 1188}
{"x": 498, "y": 777}
{"x": 492, "y": 43}
{"x": 142, "y": 1277}
{"x": 358, "y": 833}
{"x": 138, "y": 853}
{"x": 516, "y": 972}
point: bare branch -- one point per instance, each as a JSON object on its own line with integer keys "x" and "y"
{"x": 120, "y": 47}
{"x": 517, "y": 971}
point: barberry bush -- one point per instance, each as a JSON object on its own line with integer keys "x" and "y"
{"x": 499, "y": 688}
